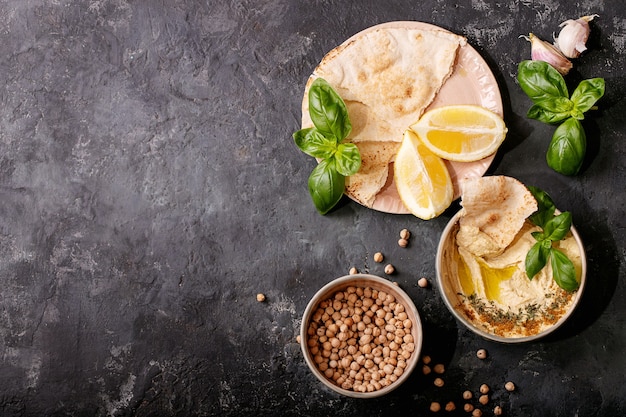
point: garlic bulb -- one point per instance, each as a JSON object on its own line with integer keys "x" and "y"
{"x": 544, "y": 51}
{"x": 573, "y": 36}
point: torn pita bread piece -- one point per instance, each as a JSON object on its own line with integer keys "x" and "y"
{"x": 494, "y": 211}
{"x": 375, "y": 159}
{"x": 387, "y": 77}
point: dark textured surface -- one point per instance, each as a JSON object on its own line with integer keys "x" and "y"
{"x": 150, "y": 188}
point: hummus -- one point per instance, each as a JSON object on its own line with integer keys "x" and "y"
{"x": 487, "y": 283}
{"x": 495, "y": 294}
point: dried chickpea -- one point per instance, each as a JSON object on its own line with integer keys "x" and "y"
{"x": 450, "y": 406}
{"x": 438, "y": 382}
{"x": 426, "y": 369}
{"x": 468, "y": 407}
{"x": 403, "y": 243}
{"x": 484, "y": 388}
{"x": 426, "y": 359}
{"x": 481, "y": 354}
{"x": 497, "y": 410}
{"x": 353, "y": 271}
{"x": 483, "y": 399}
{"x": 405, "y": 234}
{"x": 389, "y": 269}
{"x": 422, "y": 282}
{"x": 439, "y": 368}
{"x": 477, "y": 413}
{"x": 378, "y": 257}
{"x": 435, "y": 407}
{"x": 467, "y": 395}
{"x": 351, "y": 347}
{"x": 509, "y": 386}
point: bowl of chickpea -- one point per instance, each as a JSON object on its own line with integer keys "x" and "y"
{"x": 361, "y": 335}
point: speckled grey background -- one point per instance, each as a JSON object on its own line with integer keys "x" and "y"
{"x": 150, "y": 188}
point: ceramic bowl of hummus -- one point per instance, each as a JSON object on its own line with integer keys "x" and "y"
{"x": 361, "y": 336}
{"x": 487, "y": 288}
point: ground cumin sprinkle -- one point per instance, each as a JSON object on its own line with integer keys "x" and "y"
{"x": 527, "y": 322}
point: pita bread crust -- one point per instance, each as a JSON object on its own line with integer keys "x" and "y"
{"x": 494, "y": 211}
{"x": 375, "y": 159}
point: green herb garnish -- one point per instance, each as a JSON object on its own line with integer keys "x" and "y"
{"x": 554, "y": 227}
{"x": 325, "y": 142}
{"x": 552, "y": 104}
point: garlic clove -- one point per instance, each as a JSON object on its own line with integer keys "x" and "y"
{"x": 544, "y": 51}
{"x": 573, "y": 36}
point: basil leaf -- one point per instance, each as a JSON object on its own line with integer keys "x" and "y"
{"x": 557, "y": 227}
{"x": 347, "y": 159}
{"x": 551, "y": 110}
{"x": 537, "y": 112}
{"x": 313, "y": 143}
{"x": 566, "y": 151}
{"x": 545, "y": 207}
{"x": 328, "y": 111}
{"x": 326, "y": 185}
{"x": 540, "y": 81}
{"x": 563, "y": 270}
{"x": 587, "y": 93}
{"x": 536, "y": 259}
{"x": 538, "y": 236}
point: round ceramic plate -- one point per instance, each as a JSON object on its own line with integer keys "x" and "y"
{"x": 471, "y": 82}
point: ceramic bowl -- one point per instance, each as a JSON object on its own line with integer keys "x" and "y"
{"x": 453, "y": 299}
{"x": 379, "y": 284}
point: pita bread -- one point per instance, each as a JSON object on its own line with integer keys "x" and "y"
{"x": 387, "y": 77}
{"x": 494, "y": 211}
{"x": 375, "y": 159}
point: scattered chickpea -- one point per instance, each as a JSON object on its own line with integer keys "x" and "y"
{"x": 467, "y": 395}
{"x": 353, "y": 271}
{"x": 509, "y": 386}
{"x": 426, "y": 359}
{"x": 468, "y": 408}
{"x": 403, "y": 243}
{"x": 426, "y": 369}
{"x": 435, "y": 406}
{"x": 389, "y": 269}
{"x": 484, "y": 388}
{"x": 477, "y": 413}
{"x": 260, "y": 297}
{"x": 298, "y": 339}
{"x": 481, "y": 354}
{"x": 378, "y": 257}
{"x": 439, "y": 368}
{"x": 438, "y": 382}
{"x": 483, "y": 399}
{"x": 450, "y": 406}
{"x": 497, "y": 410}
{"x": 422, "y": 282}
{"x": 405, "y": 234}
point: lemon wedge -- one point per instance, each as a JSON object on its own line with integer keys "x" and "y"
{"x": 462, "y": 133}
{"x": 422, "y": 178}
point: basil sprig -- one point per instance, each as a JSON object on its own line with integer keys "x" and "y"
{"x": 554, "y": 228}
{"x": 325, "y": 142}
{"x": 552, "y": 104}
